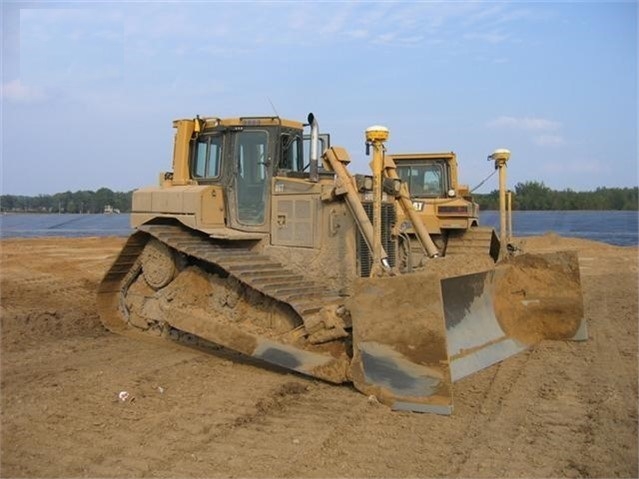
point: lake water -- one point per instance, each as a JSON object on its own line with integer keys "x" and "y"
{"x": 613, "y": 227}
{"x": 35, "y": 225}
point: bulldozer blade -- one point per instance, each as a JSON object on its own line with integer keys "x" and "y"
{"x": 399, "y": 343}
{"x": 495, "y": 314}
{"x": 414, "y": 335}
{"x": 475, "y": 338}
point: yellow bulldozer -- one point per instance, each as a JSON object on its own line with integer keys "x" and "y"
{"x": 443, "y": 205}
{"x": 251, "y": 244}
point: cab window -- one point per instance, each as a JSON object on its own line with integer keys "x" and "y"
{"x": 252, "y": 158}
{"x": 291, "y": 153}
{"x": 207, "y": 157}
{"x": 423, "y": 180}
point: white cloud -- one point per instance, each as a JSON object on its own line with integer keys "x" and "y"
{"x": 489, "y": 37}
{"x": 358, "y": 33}
{"x": 482, "y": 15}
{"x": 394, "y": 38}
{"x": 549, "y": 140}
{"x": 544, "y": 132}
{"x": 385, "y": 38}
{"x": 410, "y": 23}
{"x": 300, "y": 19}
{"x": 17, "y": 92}
{"x": 338, "y": 21}
{"x": 525, "y": 123}
{"x": 278, "y": 23}
{"x": 587, "y": 166}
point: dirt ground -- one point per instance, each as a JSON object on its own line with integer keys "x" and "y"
{"x": 561, "y": 409}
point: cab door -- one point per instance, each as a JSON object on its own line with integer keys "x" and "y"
{"x": 250, "y": 195}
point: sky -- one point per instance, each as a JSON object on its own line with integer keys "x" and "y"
{"x": 89, "y": 90}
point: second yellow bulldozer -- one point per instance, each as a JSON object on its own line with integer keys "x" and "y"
{"x": 251, "y": 244}
{"x": 443, "y": 205}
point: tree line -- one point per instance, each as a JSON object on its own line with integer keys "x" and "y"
{"x": 531, "y": 195}
{"x": 85, "y": 201}
{"x": 534, "y": 195}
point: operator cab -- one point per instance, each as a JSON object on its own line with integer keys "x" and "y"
{"x": 243, "y": 155}
{"x": 426, "y": 178}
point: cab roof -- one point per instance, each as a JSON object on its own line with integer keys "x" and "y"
{"x": 213, "y": 122}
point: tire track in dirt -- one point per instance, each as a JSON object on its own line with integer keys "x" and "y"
{"x": 484, "y": 401}
{"x": 565, "y": 401}
{"x": 54, "y": 299}
{"x": 534, "y": 413}
{"x": 314, "y": 426}
{"x": 91, "y": 395}
{"x": 263, "y": 430}
{"x": 211, "y": 421}
{"x": 610, "y": 386}
{"x": 479, "y": 404}
{"x": 529, "y": 411}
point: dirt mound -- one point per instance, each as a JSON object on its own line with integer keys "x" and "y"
{"x": 561, "y": 409}
{"x": 538, "y": 296}
{"x": 445, "y": 267}
{"x": 554, "y": 242}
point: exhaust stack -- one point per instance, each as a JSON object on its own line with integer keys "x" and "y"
{"x": 314, "y": 160}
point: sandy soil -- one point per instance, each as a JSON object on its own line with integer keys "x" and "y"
{"x": 561, "y": 409}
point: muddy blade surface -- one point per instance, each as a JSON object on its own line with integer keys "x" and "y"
{"x": 495, "y": 314}
{"x": 399, "y": 343}
{"x": 416, "y": 334}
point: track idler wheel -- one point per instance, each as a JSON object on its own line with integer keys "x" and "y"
{"x": 160, "y": 264}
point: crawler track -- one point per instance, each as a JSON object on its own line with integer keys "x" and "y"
{"x": 253, "y": 269}
{"x": 258, "y": 271}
